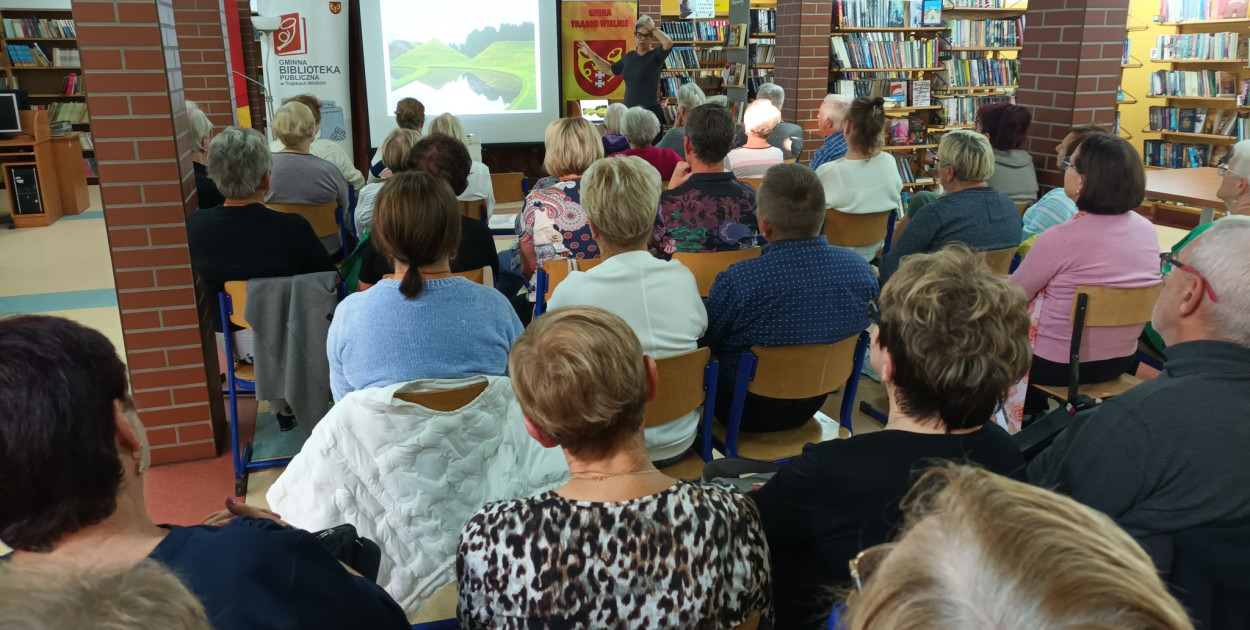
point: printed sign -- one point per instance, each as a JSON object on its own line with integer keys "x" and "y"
{"x": 608, "y": 29}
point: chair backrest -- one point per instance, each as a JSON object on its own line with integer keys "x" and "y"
{"x": 999, "y": 260}
{"x": 705, "y": 266}
{"x": 445, "y": 400}
{"x": 558, "y": 270}
{"x": 480, "y": 276}
{"x": 508, "y": 186}
{"x": 1022, "y": 207}
{"x": 323, "y": 218}
{"x": 856, "y": 230}
{"x": 805, "y": 371}
{"x": 753, "y": 181}
{"x": 793, "y": 160}
{"x": 475, "y": 209}
{"x": 681, "y": 387}
{"x": 237, "y": 290}
{"x": 1117, "y": 307}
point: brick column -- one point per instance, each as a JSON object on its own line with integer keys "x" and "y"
{"x": 204, "y": 55}
{"x": 130, "y": 57}
{"x": 1069, "y": 71}
{"x": 650, "y": 7}
{"x": 802, "y": 66}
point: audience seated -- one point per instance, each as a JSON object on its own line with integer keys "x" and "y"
{"x": 409, "y": 114}
{"x": 719, "y": 100}
{"x": 640, "y": 127}
{"x": 866, "y": 179}
{"x": 429, "y": 323}
{"x": 705, "y": 208}
{"x": 323, "y": 148}
{"x": 658, "y": 299}
{"x": 689, "y": 96}
{"x": 394, "y": 151}
{"x": 613, "y": 139}
{"x": 785, "y": 136}
{"x": 298, "y": 176}
{"x": 553, "y": 226}
{"x": 1055, "y": 206}
{"x": 951, "y": 339}
{"x": 73, "y": 459}
{"x": 480, "y": 187}
{"x": 1007, "y": 127}
{"x": 829, "y": 121}
{"x": 201, "y": 134}
{"x": 1106, "y": 244}
{"x": 621, "y": 545}
{"x": 800, "y": 290}
{"x": 983, "y": 551}
{"x": 970, "y": 212}
{"x": 753, "y": 158}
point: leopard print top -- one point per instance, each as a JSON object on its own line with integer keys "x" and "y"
{"x": 692, "y": 556}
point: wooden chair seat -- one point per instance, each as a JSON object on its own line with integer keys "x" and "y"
{"x": 1106, "y": 389}
{"x": 508, "y": 186}
{"x": 475, "y": 209}
{"x": 753, "y": 181}
{"x": 706, "y": 266}
{"x": 780, "y": 445}
{"x": 323, "y": 218}
{"x": 999, "y": 260}
{"x": 446, "y": 400}
{"x": 856, "y": 230}
{"x": 690, "y": 468}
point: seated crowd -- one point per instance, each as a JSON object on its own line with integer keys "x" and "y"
{"x": 928, "y": 523}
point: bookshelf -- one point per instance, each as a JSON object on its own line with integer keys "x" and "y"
{"x": 980, "y": 50}
{"x": 761, "y": 24}
{"x": 699, "y": 55}
{"x": 41, "y": 56}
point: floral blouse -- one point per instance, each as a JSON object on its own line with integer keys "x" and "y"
{"x": 554, "y": 222}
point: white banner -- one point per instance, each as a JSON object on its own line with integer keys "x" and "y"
{"x": 308, "y": 55}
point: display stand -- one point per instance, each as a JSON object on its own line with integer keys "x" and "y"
{"x": 58, "y": 163}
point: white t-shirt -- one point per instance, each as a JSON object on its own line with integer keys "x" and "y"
{"x": 480, "y": 187}
{"x": 660, "y": 301}
{"x": 746, "y": 162}
{"x": 862, "y": 187}
{"x": 364, "y": 207}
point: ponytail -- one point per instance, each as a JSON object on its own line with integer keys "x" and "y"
{"x": 411, "y": 284}
{"x": 867, "y": 118}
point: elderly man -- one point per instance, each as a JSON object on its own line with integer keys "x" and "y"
{"x": 829, "y": 121}
{"x": 785, "y": 136}
{"x": 689, "y": 96}
{"x": 1170, "y": 455}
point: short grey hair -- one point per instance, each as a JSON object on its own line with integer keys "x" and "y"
{"x": 690, "y": 96}
{"x": 969, "y": 153}
{"x": 612, "y": 119}
{"x": 1239, "y": 160}
{"x": 1222, "y": 255}
{"x": 761, "y": 118}
{"x": 719, "y": 99}
{"x": 238, "y": 159}
{"x": 834, "y": 109}
{"x": 640, "y": 126}
{"x": 773, "y": 92}
{"x": 198, "y": 125}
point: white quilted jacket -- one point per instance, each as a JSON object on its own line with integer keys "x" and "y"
{"x": 409, "y": 477}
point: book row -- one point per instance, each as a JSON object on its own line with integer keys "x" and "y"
{"x": 1222, "y": 122}
{"x": 42, "y": 28}
{"x": 1198, "y": 46}
{"x": 763, "y": 20}
{"x": 711, "y": 31}
{"x": 882, "y": 50}
{"x": 887, "y": 13}
{"x": 963, "y": 111}
{"x": 897, "y": 93}
{"x": 981, "y": 72}
{"x": 995, "y": 33}
{"x": 1183, "y": 155}
{"x": 1198, "y": 10}
{"x": 1193, "y": 83}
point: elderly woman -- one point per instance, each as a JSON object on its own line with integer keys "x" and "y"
{"x": 640, "y": 127}
{"x": 1106, "y": 244}
{"x": 1007, "y": 127}
{"x": 299, "y": 177}
{"x": 428, "y": 323}
{"x": 640, "y": 68}
{"x": 754, "y": 157}
{"x": 658, "y": 299}
{"x": 970, "y": 212}
{"x": 665, "y": 553}
{"x": 613, "y": 141}
{"x": 689, "y": 96}
{"x": 978, "y": 546}
{"x": 394, "y": 152}
{"x": 842, "y": 495}
{"x": 552, "y": 225}
{"x": 201, "y": 133}
{"x": 866, "y": 179}
{"x": 1055, "y": 207}
{"x": 785, "y": 136}
{"x": 480, "y": 186}
{"x": 409, "y": 114}
{"x": 323, "y": 148}
{"x": 63, "y": 399}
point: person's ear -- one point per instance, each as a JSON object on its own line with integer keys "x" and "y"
{"x": 264, "y": 182}
{"x": 1191, "y": 294}
{"x": 653, "y": 378}
{"x": 766, "y": 226}
{"x": 594, "y": 230}
{"x": 687, "y": 147}
{"x": 127, "y": 439}
{"x": 887, "y": 363}
{"x": 538, "y": 435}
{"x": 1242, "y": 185}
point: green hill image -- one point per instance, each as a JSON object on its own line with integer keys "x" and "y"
{"x": 503, "y": 70}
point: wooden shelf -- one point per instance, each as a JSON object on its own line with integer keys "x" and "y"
{"x": 1134, "y": 29}
{"x": 904, "y": 110}
{"x": 762, "y": 35}
{"x": 917, "y": 184}
{"x": 1215, "y": 137}
{"x": 942, "y": 128}
{"x": 46, "y": 68}
{"x": 727, "y": 86}
{"x": 983, "y": 48}
{"x": 56, "y": 95}
{"x": 735, "y": 47}
{"x": 842, "y": 70}
{"x": 869, "y": 29}
{"x": 692, "y": 70}
{"x": 697, "y": 43}
{"x": 973, "y": 88}
{"x": 41, "y": 39}
{"x": 909, "y": 147}
{"x": 1127, "y": 101}
{"x": 1231, "y": 100}
{"x": 982, "y": 13}
{"x": 1207, "y": 22}
{"x": 1131, "y": 65}
{"x": 1202, "y": 61}
{"x": 764, "y": 66}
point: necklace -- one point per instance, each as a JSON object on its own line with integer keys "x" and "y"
{"x": 593, "y": 477}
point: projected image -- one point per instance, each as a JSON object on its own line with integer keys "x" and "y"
{"x": 466, "y": 57}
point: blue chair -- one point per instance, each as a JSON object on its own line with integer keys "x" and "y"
{"x": 686, "y": 382}
{"x": 442, "y": 624}
{"x": 553, "y": 273}
{"x": 792, "y": 372}
{"x": 347, "y": 221}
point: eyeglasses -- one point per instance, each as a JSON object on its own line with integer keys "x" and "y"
{"x": 874, "y": 313}
{"x": 1223, "y": 170}
{"x": 1167, "y": 261}
{"x": 1065, "y": 164}
{"x": 867, "y": 562}
{"x": 641, "y": 35}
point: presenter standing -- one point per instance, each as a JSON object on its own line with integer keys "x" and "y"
{"x": 639, "y": 67}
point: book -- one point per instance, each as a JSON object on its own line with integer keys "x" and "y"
{"x": 916, "y": 129}
{"x": 897, "y": 94}
{"x": 896, "y": 14}
{"x": 900, "y": 131}
{"x": 1227, "y": 83}
{"x": 932, "y": 13}
{"x": 915, "y": 13}
{"x": 921, "y": 92}
{"x": 1185, "y": 121}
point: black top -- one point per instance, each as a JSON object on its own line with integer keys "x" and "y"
{"x": 255, "y": 573}
{"x": 642, "y": 76}
{"x": 841, "y": 497}
{"x": 252, "y": 241}
{"x": 477, "y": 250}
{"x": 1168, "y": 455}
{"x": 206, "y": 188}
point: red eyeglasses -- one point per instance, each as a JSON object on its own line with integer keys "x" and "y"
{"x": 1167, "y": 261}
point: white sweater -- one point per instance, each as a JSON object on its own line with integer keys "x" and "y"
{"x": 862, "y": 187}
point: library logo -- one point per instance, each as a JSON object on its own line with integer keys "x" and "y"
{"x": 335, "y": 7}
{"x": 589, "y": 77}
{"x": 291, "y": 38}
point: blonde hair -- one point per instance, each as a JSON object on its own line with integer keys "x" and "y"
{"x": 198, "y": 125}
{"x": 595, "y": 351}
{"x": 621, "y": 194}
{"x": 313, "y": 103}
{"x": 572, "y": 146}
{"x": 396, "y": 148}
{"x": 612, "y": 118}
{"x": 969, "y": 153}
{"x": 761, "y": 118}
{"x": 982, "y": 552}
{"x": 448, "y": 125}
{"x": 294, "y": 125}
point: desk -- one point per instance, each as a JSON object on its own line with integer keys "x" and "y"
{"x": 1195, "y": 186}
{"x": 58, "y": 165}
{"x": 1169, "y": 236}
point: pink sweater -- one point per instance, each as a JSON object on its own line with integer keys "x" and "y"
{"x": 1119, "y": 251}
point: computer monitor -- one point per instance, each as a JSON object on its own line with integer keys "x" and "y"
{"x": 23, "y": 99}
{"x": 10, "y": 122}
{"x": 594, "y": 109}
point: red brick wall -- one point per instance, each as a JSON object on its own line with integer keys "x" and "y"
{"x": 129, "y": 54}
{"x": 1069, "y": 71}
{"x": 802, "y": 65}
{"x": 202, "y": 50}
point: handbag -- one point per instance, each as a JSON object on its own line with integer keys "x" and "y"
{"x": 361, "y": 554}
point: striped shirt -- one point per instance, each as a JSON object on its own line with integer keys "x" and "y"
{"x": 746, "y": 162}
{"x": 1052, "y": 209}
{"x": 833, "y": 148}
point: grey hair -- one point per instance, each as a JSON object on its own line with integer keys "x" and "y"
{"x": 612, "y": 119}
{"x": 1222, "y": 255}
{"x": 690, "y": 96}
{"x": 1239, "y": 161}
{"x": 238, "y": 159}
{"x": 719, "y": 99}
{"x": 772, "y": 92}
{"x": 198, "y": 125}
{"x": 640, "y": 126}
{"x": 834, "y": 109}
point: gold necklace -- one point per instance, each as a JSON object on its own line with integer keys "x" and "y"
{"x": 592, "y": 477}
